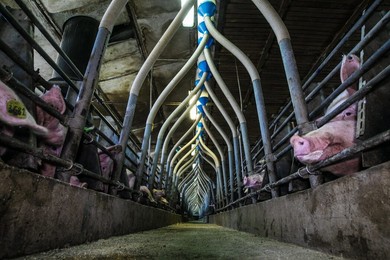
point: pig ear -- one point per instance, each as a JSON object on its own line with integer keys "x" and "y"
{"x": 61, "y": 104}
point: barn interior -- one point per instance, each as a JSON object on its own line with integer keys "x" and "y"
{"x": 202, "y": 112}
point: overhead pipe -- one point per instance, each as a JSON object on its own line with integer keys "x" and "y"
{"x": 186, "y": 179}
{"x": 236, "y": 108}
{"x": 171, "y": 162}
{"x": 181, "y": 160}
{"x": 217, "y": 165}
{"x": 174, "y": 172}
{"x": 259, "y": 99}
{"x": 171, "y": 153}
{"x": 194, "y": 93}
{"x": 291, "y": 70}
{"x": 160, "y": 100}
{"x": 229, "y": 146}
{"x": 185, "y": 166}
{"x": 167, "y": 138}
{"x": 221, "y": 154}
{"x": 140, "y": 78}
{"x": 234, "y": 136}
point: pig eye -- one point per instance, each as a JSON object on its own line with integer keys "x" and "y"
{"x": 348, "y": 113}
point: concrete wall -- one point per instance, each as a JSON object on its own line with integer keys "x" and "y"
{"x": 349, "y": 216}
{"x": 38, "y": 213}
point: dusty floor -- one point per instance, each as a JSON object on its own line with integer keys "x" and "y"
{"x": 185, "y": 241}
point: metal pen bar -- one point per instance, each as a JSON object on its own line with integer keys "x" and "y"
{"x": 15, "y": 58}
{"x": 39, "y": 153}
{"x": 49, "y": 38}
{"x": 306, "y": 171}
{"x": 376, "y": 29}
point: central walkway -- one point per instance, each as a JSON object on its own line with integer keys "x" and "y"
{"x": 185, "y": 241}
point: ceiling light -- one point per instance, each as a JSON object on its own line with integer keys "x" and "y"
{"x": 189, "y": 19}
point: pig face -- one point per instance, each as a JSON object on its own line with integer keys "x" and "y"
{"x": 106, "y": 163}
{"x": 325, "y": 142}
{"x": 253, "y": 181}
{"x": 14, "y": 113}
{"x": 54, "y": 98}
{"x": 349, "y": 65}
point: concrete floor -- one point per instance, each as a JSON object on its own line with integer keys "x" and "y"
{"x": 185, "y": 241}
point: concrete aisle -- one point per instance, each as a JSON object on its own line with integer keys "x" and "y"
{"x": 185, "y": 241}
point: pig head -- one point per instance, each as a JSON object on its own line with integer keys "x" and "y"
{"x": 53, "y": 141}
{"x": 325, "y": 142}
{"x": 54, "y": 98}
{"x": 13, "y": 113}
{"x": 159, "y": 196}
{"x": 253, "y": 181}
{"x": 106, "y": 163}
{"x": 336, "y": 135}
{"x": 146, "y": 197}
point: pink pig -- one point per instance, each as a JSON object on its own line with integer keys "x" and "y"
{"x": 106, "y": 163}
{"x": 334, "y": 136}
{"x": 253, "y": 181}
{"x": 13, "y": 113}
{"x": 51, "y": 143}
{"x": 146, "y": 194}
{"x": 159, "y": 196}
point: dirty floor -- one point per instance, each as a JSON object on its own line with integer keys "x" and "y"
{"x": 193, "y": 240}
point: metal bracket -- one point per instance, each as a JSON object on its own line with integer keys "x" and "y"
{"x": 361, "y": 115}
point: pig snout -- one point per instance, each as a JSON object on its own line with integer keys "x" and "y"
{"x": 301, "y": 145}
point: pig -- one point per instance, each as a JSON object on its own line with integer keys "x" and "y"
{"x": 53, "y": 141}
{"x": 334, "y": 136}
{"x": 146, "y": 197}
{"x": 253, "y": 181}
{"x": 13, "y": 113}
{"x": 74, "y": 181}
{"x": 106, "y": 163}
{"x": 325, "y": 142}
{"x": 349, "y": 65}
{"x": 159, "y": 195}
{"x": 131, "y": 177}
{"x": 54, "y": 98}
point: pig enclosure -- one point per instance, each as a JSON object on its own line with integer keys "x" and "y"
{"x": 75, "y": 170}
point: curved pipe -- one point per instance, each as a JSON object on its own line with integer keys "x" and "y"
{"x": 236, "y": 149}
{"x": 185, "y": 166}
{"x": 174, "y": 175}
{"x": 223, "y": 164}
{"x": 140, "y": 78}
{"x": 171, "y": 153}
{"x": 182, "y": 150}
{"x": 259, "y": 98}
{"x": 175, "y": 126}
{"x": 78, "y": 119}
{"x": 218, "y": 166}
{"x": 160, "y": 100}
{"x": 174, "y": 170}
{"x": 290, "y": 66}
{"x": 235, "y": 106}
{"x": 230, "y": 149}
